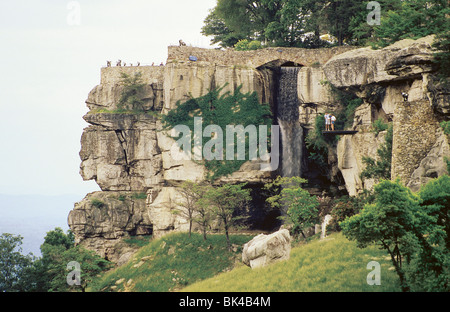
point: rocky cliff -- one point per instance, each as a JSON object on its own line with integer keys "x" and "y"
{"x": 128, "y": 155}
{"x": 379, "y": 77}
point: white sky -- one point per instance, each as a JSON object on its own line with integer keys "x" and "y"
{"x": 48, "y": 67}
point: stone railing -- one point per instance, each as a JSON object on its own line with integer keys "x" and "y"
{"x": 255, "y": 58}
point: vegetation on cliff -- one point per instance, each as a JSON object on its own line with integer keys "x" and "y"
{"x": 223, "y": 110}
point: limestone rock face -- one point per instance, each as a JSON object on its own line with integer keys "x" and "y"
{"x": 265, "y": 249}
{"x": 102, "y": 219}
{"x": 379, "y": 77}
{"x": 433, "y": 165}
{"x": 406, "y": 59}
{"x": 120, "y": 151}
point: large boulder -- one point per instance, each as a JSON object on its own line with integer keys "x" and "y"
{"x": 265, "y": 249}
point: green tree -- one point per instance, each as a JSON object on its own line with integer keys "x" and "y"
{"x": 442, "y": 56}
{"x": 388, "y": 222}
{"x": 430, "y": 270}
{"x": 338, "y": 14}
{"x": 91, "y": 265}
{"x": 408, "y": 228}
{"x": 413, "y": 19}
{"x": 194, "y": 208}
{"x": 133, "y": 87}
{"x": 203, "y": 212}
{"x": 14, "y": 267}
{"x": 221, "y": 34}
{"x": 435, "y": 199}
{"x": 228, "y": 202}
{"x": 58, "y": 250}
{"x": 381, "y": 168}
{"x": 299, "y": 208}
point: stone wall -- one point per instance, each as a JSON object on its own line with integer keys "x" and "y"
{"x": 255, "y": 58}
{"x": 415, "y": 131}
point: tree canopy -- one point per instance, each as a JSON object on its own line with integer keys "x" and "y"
{"x": 299, "y": 23}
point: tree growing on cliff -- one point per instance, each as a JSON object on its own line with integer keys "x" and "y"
{"x": 194, "y": 207}
{"x": 224, "y": 109}
{"x": 227, "y": 202}
{"x": 380, "y": 168}
{"x": 131, "y": 97}
{"x": 298, "y": 207}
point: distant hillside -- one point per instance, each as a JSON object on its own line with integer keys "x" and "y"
{"x": 32, "y": 216}
{"x": 179, "y": 263}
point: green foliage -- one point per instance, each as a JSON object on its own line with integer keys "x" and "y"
{"x": 379, "y": 125}
{"x": 430, "y": 270}
{"x": 410, "y": 227}
{"x": 348, "y": 206}
{"x": 228, "y": 109}
{"x": 14, "y": 267}
{"x": 411, "y": 19}
{"x": 446, "y": 126}
{"x": 332, "y": 265}
{"x": 275, "y": 23}
{"x": 300, "y": 209}
{"x": 131, "y": 97}
{"x": 317, "y": 145}
{"x": 227, "y": 203}
{"x": 381, "y": 168}
{"x": 97, "y": 203}
{"x": 388, "y": 222}
{"x": 435, "y": 199}
{"x": 442, "y": 57}
{"x": 57, "y": 251}
{"x": 195, "y": 206}
{"x": 246, "y": 45}
{"x": 57, "y": 237}
{"x": 141, "y": 195}
{"x": 215, "y": 27}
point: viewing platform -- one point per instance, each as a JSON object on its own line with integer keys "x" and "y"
{"x": 339, "y": 132}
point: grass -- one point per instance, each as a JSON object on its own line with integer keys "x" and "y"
{"x": 173, "y": 262}
{"x": 331, "y": 265}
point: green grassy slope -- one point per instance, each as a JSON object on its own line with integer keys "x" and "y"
{"x": 172, "y": 262}
{"x": 331, "y": 265}
{"x": 178, "y": 263}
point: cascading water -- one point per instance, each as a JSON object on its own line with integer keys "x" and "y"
{"x": 288, "y": 119}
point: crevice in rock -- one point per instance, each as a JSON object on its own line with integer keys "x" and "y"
{"x": 123, "y": 143}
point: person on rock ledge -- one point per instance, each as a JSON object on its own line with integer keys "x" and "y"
{"x": 333, "y": 120}
{"x": 327, "y": 121}
{"x": 405, "y": 96}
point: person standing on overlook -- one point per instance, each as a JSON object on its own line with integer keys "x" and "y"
{"x": 333, "y": 120}
{"x": 327, "y": 121}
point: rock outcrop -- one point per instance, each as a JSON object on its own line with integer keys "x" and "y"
{"x": 379, "y": 77}
{"x": 264, "y": 249}
{"x": 126, "y": 152}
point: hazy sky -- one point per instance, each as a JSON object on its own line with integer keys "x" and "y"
{"x": 48, "y": 64}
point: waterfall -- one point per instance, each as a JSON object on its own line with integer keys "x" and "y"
{"x": 288, "y": 120}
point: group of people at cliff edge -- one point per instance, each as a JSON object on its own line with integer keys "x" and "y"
{"x": 329, "y": 122}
